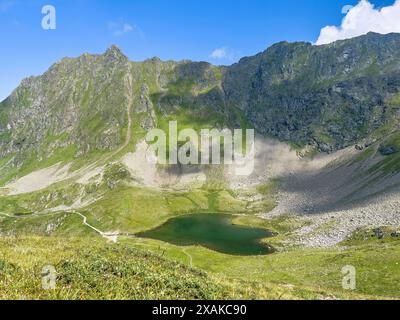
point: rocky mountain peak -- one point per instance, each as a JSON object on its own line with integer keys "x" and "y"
{"x": 114, "y": 53}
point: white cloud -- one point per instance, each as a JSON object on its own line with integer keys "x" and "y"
{"x": 361, "y": 19}
{"x": 126, "y": 28}
{"x": 222, "y": 53}
{"x": 219, "y": 53}
{"x": 120, "y": 28}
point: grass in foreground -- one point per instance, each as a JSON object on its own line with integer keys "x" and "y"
{"x": 89, "y": 268}
{"x": 305, "y": 273}
{"x": 93, "y": 269}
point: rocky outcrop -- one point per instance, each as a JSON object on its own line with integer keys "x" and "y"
{"x": 330, "y": 96}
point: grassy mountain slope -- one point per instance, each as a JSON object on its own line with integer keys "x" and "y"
{"x": 90, "y": 269}
{"x": 87, "y": 113}
{"x": 328, "y": 96}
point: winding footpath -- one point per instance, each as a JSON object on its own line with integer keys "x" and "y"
{"x": 189, "y": 256}
{"x": 111, "y": 236}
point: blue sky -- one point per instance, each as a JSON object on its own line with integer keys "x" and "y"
{"x": 219, "y": 31}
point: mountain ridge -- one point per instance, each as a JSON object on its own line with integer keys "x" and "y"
{"x": 326, "y": 97}
{"x": 74, "y": 173}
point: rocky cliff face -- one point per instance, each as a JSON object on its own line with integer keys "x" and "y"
{"x": 77, "y": 103}
{"x": 328, "y": 96}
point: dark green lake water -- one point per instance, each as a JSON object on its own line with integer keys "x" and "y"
{"x": 213, "y": 231}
